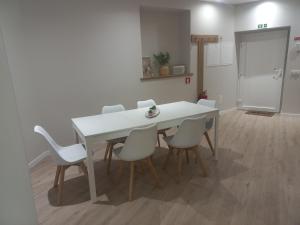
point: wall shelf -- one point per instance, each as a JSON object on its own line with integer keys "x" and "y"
{"x": 165, "y": 77}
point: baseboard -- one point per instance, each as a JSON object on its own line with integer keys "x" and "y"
{"x": 290, "y": 114}
{"x": 227, "y": 110}
{"x": 38, "y": 159}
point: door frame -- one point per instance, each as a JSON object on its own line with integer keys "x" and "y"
{"x": 237, "y": 35}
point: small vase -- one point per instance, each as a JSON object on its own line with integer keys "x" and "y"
{"x": 164, "y": 70}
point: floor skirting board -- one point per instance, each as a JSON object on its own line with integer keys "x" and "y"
{"x": 227, "y": 110}
{"x": 38, "y": 159}
{"x": 290, "y": 114}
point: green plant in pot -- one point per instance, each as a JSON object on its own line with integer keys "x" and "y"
{"x": 163, "y": 60}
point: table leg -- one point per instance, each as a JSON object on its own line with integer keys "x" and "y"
{"x": 216, "y": 135}
{"x": 91, "y": 172}
{"x": 76, "y": 137}
{"x": 77, "y": 142}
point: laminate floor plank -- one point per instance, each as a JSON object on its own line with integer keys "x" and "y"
{"x": 255, "y": 182}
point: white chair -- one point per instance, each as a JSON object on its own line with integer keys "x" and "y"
{"x": 147, "y": 104}
{"x": 111, "y": 143}
{"x": 187, "y": 139}
{"x": 112, "y": 108}
{"x": 64, "y": 157}
{"x": 138, "y": 147}
{"x": 210, "y": 121}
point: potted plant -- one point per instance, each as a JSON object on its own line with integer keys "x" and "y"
{"x": 163, "y": 60}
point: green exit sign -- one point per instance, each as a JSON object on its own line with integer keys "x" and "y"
{"x": 262, "y": 26}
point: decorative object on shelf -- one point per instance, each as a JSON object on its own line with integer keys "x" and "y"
{"x": 178, "y": 70}
{"x": 152, "y": 112}
{"x": 147, "y": 68}
{"x": 202, "y": 95}
{"x": 163, "y": 60}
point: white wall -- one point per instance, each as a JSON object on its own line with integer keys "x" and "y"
{"x": 16, "y": 199}
{"x": 69, "y": 58}
{"x": 277, "y": 14}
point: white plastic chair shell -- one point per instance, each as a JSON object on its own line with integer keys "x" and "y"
{"x": 147, "y": 103}
{"x": 63, "y": 155}
{"x": 113, "y": 108}
{"x": 210, "y": 104}
{"x": 188, "y": 133}
{"x": 140, "y": 144}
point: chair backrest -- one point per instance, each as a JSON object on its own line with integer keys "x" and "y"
{"x": 208, "y": 103}
{"x": 55, "y": 147}
{"x": 113, "y": 108}
{"x": 211, "y": 104}
{"x": 189, "y": 133}
{"x": 140, "y": 144}
{"x": 147, "y": 103}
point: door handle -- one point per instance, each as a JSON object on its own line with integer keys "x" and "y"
{"x": 278, "y": 73}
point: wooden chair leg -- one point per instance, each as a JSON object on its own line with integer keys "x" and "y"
{"x": 179, "y": 165}
{"x": 110, "y": 150}
{"x": 83, "y": 168}
{"x": 209, "y": 142}
{"x": 61, "y": 185}
{"x": 164, "y": 134}
{"x": 58, "y": 168}
{"x": 168, "y": 158}
{"x": 106, "y": 151}
{"x": 158, "y": 140}
{"x": 187, "y": 156}
{"x": 153, "y": 172}
{"x": 201, "y": 163}
{"x": 132, "y": 165}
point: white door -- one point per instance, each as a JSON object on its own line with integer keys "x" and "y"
{"x": 261, "y": 69}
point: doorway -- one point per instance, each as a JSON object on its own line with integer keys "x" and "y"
{"x": 261, "y": 67}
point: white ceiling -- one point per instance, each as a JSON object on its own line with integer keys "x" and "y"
{"x": 233, "y": 1}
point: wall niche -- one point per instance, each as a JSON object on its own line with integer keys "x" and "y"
{"x": 165, "y": 30}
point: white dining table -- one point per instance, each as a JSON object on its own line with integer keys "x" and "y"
{"x": 102, "y": 127}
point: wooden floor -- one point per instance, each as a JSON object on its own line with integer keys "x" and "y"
{"x": 255, "y": 182}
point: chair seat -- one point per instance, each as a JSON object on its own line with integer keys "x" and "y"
{"x": 168, "y": 140}
{"x": 73, "y": 154}
{"x": 118, "y": 150}
{"x": 116, "y": 140}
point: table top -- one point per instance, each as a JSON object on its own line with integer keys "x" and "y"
{"x": 130, "y": 119}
